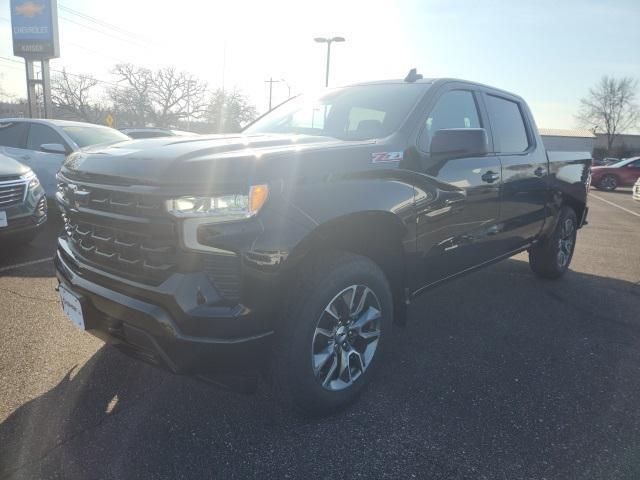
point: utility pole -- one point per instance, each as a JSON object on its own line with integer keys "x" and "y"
{"x": 271, "y": 81}
{"x": 328, "y": 41}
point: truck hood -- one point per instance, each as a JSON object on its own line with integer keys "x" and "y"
{"x": 202, "y": 159}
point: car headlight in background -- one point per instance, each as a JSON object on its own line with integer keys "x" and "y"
{"x": 33, "y": 180}
{"x": 220, "y": 208}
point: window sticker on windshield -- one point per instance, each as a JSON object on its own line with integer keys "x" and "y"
{"x": 384, "y": 157}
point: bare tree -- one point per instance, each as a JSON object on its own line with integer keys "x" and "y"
{"x": 175, "y": 96}
{"x": 74, "y": 94}
{"x": 611, "y": 107}
{"x": 3, "y": 94}
{"x": 131, "y": 96}
{"x": 229, "y": 111}
{"x": 162, "y": 98}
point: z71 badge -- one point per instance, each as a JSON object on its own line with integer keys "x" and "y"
{"x": 385, "y": 157}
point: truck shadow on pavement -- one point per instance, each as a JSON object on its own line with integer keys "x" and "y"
{"x": 499, "y": 374}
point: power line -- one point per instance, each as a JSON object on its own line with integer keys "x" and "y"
{"x": 65, "y": 72}
{"x": 101, "y": 22}
{"x": 107, "y": 34}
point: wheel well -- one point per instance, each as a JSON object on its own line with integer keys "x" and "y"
{"x": 375, "y": 235}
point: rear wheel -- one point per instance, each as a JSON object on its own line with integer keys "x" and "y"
{"x": 608, "y": 182}
{"x": 551, "y": 258}
{"x": 333, "y": 333}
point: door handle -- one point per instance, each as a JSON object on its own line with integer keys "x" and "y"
{"x": 25, "y": 157}
{"x": 490, "y": 176}
{"x": 539, "y": 172}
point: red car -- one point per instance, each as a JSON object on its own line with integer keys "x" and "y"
{"x": 620, "y": 174}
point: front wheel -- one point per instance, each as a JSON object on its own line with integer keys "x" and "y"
{"x": 551, "y": 257}
{"x": 333, "y": 333}
{"x": 608, "y": 182}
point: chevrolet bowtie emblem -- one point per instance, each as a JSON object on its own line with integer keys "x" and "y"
{"x": 80, "y": 198}
{"x": 29, "y": 9}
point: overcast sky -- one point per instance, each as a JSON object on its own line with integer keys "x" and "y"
{"x": 550, "y": 52}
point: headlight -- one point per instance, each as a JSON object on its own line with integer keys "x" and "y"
{"x": 221, "y": 208}
{"x": 33, "y": 180}
{"x": 198, "y": 212}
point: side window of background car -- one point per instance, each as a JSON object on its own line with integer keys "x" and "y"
{"x": 13, "y": 134}
{"x": 455, "y": 109}
{"x": 41, "y": 134}
{"x": 507, "y": 125}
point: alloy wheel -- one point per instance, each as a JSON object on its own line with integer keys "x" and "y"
{"x": 609, "y": 182}
{"x": 566, "y": 242}
{"x": 346, "y": 337}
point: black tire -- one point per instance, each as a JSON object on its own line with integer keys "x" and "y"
{"x": 322, "y": 282}
{"x": 551, "y": 257}
{"x": 608, "y": 182}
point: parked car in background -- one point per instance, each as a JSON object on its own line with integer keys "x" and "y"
{"x": 23, "y": 205}
{"x": 621, "y": 174}
{"x": 154, "y": 132}
{"x": 605, "y": 161}
{"x": 636, "y": 190}
{"x": 43, "y": 145}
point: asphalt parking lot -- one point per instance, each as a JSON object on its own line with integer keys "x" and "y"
{"x": 497, "y": 375}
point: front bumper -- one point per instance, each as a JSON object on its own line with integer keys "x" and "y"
{"x": 22, "y": 226}
{"x": 25, "y": 217}
{"x": 164, "y": 324}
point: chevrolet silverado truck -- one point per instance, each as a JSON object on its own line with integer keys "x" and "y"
{"x": 293, "y": 247}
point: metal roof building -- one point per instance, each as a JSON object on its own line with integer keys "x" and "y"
{"x": 561, "y": 140}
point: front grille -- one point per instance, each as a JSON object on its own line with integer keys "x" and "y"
{"x": 147, "y": 255}
{"x": 121, "y": 232}
{"x": 115, "y": 201}
{"x": 12, "y": 192}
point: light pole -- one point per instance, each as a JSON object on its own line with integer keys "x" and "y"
{"x": 328, "y": 41}
{"x": 271, "y": 81}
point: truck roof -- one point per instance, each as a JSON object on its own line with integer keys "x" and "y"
{"x": 435, "y": 81}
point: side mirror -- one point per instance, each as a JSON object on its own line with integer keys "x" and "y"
{"x": 53, "y": 148}
{"x": 459, "y": 142}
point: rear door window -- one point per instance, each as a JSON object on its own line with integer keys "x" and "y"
{"x": 507, "y": 124}
{"x": 13, "y": 134}
{"x": 41, "y": 134}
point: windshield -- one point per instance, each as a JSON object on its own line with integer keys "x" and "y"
{"x": 621, "y": 163}
{"x": 84, "y": 136}
{"x": 350, "y": 113}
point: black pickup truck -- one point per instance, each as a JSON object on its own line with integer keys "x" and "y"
{"x": 293, "y": 246}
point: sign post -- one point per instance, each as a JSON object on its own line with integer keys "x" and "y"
{"x": 34, "y": 25}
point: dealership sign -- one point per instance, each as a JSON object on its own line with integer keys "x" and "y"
{"x": 34, "y": 24}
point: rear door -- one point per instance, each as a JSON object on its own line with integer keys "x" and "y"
{"x": 44, "y": 164}
{"x": 524, "y": 170}
{"x": 455, "y": 223}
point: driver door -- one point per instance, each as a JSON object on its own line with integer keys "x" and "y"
{"x": 456, "y": 222}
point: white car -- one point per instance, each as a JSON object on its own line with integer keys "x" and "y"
{"x": 636, "y": 190}
{"x": 44, "y": 144}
